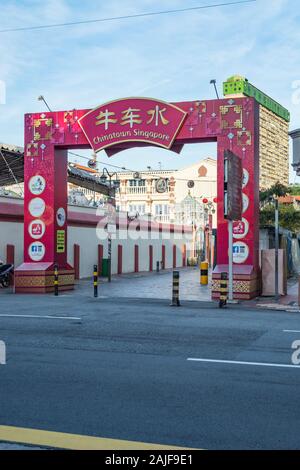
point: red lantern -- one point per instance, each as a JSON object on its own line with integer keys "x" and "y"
{"x": 216, "y": 200}
{"x": 205, "y": 201}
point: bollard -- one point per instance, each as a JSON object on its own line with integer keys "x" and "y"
{"x": 55, "y": 279}
{"x": 157, "y": 266}
{"x": 204, "y": 274}
{"x": 95, "y": 280}
{"x": 175, "y": 290}
{"x": 223, "y": 290}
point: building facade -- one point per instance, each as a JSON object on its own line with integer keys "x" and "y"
{"x": 162, "y": 194}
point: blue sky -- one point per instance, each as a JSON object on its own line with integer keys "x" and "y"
{"x": 170, "y": 57}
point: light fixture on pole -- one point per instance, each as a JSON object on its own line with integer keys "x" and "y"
{"x": 92, "y": 163}
{"x": 103, "y": 179}
{"x": 111, "y": 213}
{"x": 214, "y": 82}
{"x": 41, "y": 98}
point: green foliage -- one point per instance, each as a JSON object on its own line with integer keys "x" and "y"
{"x": 289, "y": 217}
{"x": 294, "y": 190}
{"x": 277, "y": 190}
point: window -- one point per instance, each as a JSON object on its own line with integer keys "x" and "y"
{"x": 162, "y": 209}
{"x": 134, "y": 183}
{"x": 140, "y": 208}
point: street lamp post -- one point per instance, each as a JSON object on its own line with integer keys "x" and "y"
{"x": 209, "y": 210}
{"x": 276, "y": 250}
{"x": 116, "y": 185}
{"x": 274, "y": 200}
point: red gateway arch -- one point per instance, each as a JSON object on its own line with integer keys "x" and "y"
{"x": 122, "y": 124}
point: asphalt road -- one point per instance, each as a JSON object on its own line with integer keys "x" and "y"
{"x": 119, "y": 369}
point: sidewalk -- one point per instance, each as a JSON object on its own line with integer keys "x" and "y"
{"x": 159, "y": 286}
{"x": 288, "y": 303}
{"x": 151, "y": 286}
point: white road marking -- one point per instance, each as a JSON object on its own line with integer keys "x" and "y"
{"x": 291, "y": 331}
{"x": 39, "y": 316}
{"x": 263, "y": 364}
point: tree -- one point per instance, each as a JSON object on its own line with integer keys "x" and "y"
{"x": 277, "y": 190}
{"x": 294, "y": 190}
{"x": 289, "y": 217}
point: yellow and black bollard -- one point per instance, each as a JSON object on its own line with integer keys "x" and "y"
{"x": 204, "y": 274}
{"x": 223, "y": 290}
{"x": 175, "y": 291}
{"x": 95, "y": 280}
{"x": 55, "y": 279}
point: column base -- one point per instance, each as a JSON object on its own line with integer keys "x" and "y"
{"x": 38, "y": 278}
{"x": 246, "y": 282}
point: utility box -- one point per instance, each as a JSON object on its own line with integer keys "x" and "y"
{"x": 105, "y": 267}
{"x": 268, "y": 272}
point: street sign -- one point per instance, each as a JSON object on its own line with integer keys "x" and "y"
{"x": 233, "y": 186}
{"x": 233, "y": 209}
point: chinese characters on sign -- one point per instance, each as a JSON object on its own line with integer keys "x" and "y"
{"x": 132, "y": 120}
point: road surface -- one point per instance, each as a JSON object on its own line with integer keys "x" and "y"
{"x": 120, "y": 368}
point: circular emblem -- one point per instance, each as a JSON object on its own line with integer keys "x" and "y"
{"x": 245, "y": 203}
{"x": 36, "y": 229}
{"x": 37, "y": 185}
{"x": 191, "y": 184}
{"x": 245, "y": 178}
{"x": 92, "y": 164}
{"x": 240, "y": 229}
{"x": 61, "y": 217}
{"x": 161, "y": 185}
{"x": 240, "y": 252}
{"x": 36, "y": 251}
{"x": 37, "y": 207}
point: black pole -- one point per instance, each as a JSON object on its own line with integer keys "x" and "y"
{"x": 223, "y": 290}
{"x": 56, "y": 279}
{"x": 276, "y": 251}
{"x": 95, "y": 280}
{"x": 175, "y": 290}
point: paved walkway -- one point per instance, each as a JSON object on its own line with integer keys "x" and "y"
{"x": 151, "y": 286}
{"x": 159, "y": 286}
{"x": 287, "y": 303}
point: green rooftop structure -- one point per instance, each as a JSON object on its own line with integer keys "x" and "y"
{"x": 240, "y": 85}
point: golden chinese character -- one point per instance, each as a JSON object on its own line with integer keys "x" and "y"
{"x": 129, "y": 117}
{"x": 157, "y": 114}
{"x": 105, "y": 117}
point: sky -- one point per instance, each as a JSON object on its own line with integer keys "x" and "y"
{"x": 170, "y": 57}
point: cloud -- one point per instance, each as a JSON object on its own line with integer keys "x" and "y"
{"x": 170, "y": 56}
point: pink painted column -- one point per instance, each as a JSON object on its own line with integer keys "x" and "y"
{"x": 244, "y": 142}
{"x": 151, "y": 258}
{"x": 120, "y": 259}
{"x": 136, "y": 258}
{"x": 45, "y": 212}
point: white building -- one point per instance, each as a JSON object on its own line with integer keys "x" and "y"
{"x": 164, "y": 195}
{"x": 144, "y": 194}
